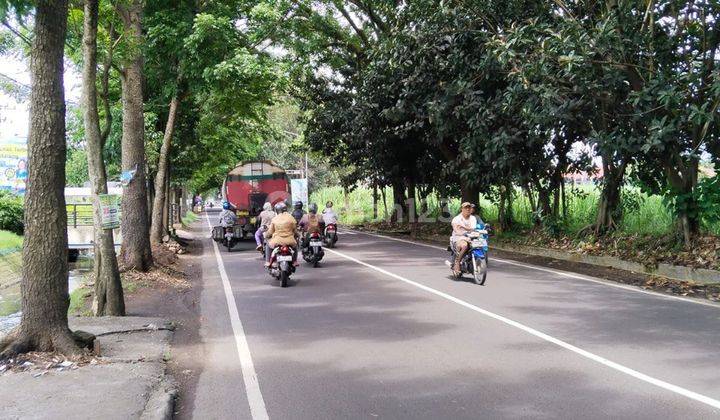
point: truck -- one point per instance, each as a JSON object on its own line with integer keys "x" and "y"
{"x": 249, "y": 185}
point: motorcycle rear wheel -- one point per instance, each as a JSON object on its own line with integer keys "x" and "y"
{"x": 284, "y": 276}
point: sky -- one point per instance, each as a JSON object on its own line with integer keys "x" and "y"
{"x": 14, "y": 116}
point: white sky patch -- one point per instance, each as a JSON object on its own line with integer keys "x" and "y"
{"x": 14, "y": 115}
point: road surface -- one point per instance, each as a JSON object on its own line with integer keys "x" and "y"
{"x": 380, "y": 330}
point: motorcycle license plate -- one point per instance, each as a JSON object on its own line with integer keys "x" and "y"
{"x": 282, "y": 258}
{"x": 478, "y": 243}
{"x": 315, "y": 243}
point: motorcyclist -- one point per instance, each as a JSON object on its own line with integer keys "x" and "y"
{"x": 462, "y": 223}
{"x": 311, "y": 223}
{"x": 264, "y": 218}
{"x": 227, "y": 216}
{"x": 298, "y": 211}
{"x": 329, "y": 215}
{"x": 281, "y": 231}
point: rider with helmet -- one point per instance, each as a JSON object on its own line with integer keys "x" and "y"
{"x": 281, "y": 231}
{"x": 298, "y": 211}
{"x": 264, "y": 219}
{"x": 227, "y": 216}
{"x": 311, "y": 223}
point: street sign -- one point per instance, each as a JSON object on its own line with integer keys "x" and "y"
{"x": 299, "y": 190}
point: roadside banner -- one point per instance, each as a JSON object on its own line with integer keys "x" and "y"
{"x": 299, "y": 190}
{"x": 13, "y": 163}
{"x": 110, "y": 208}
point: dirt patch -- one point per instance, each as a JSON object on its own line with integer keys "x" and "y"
{"x": 438, "y": 235}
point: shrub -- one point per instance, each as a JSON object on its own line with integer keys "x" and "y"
{"x": 11, "y": 213}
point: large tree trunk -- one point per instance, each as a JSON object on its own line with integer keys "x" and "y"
{"x": 505, "y": 215}
{"x": 683, "y": 181}
{"x": 400, "y": 205}
{"x": 609, "y": 210}
{"x": 44, "y": 287}
{"x": 109, "y": 298}
{"x": 157, "y": 228}
{"x": 375, "y": 200}
{"x": 411, "y": 202}
{"x": 136, "y": 251}
{"x": 469, "y": 193}
{"x": 166, "y": 207}
{"x": 384, "y": 199}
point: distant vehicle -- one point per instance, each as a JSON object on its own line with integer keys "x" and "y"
{"x": 249, "y": 185}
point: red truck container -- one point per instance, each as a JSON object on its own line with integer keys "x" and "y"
{"x": 252, "y": 183}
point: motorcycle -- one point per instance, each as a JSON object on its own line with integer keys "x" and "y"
{"x": 312, "y": 251}
{"x": 227, "y": 236}
{"x": 330, "y": 236}
{"x": 232, "y": 236}
{"x": 475, "y": 260}
{"x": 281, "y": 264}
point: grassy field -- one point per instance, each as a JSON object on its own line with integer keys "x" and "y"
{"x": 9, "y": 241}
{"x": 644, "y": 214}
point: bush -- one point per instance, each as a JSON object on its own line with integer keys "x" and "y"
{"x": 11, "y": 213}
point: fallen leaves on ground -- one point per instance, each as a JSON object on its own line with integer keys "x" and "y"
{"x": 47, "y": 362}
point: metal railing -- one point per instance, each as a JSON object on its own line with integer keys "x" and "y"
{"x": 79, "y": 215}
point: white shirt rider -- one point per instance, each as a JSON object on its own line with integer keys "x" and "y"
{"x": 329, "y": 216}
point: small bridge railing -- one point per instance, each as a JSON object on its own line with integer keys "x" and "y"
{"x": 79, "y": 215}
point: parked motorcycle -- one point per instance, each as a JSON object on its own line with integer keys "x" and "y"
{"x": 475, "y": 260}
{"x": 330, "y": 236}
{"x": 281, "y": 264}
{"x": 312, "y": 251}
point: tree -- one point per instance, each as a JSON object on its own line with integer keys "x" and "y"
{"x": 108, "y": 298}
{"x": 168, "y": 25}
{"x": 136, "y": 252}
{"x": 44, "y": 322}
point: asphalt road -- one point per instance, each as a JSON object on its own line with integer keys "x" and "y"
{"x": 380, "y": 330}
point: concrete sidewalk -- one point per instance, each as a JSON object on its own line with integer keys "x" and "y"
{"x": 128, "y": 382}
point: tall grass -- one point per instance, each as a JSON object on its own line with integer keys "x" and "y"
{"x": 648, "y": 215}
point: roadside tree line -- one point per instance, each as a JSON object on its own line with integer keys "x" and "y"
{"x": 501, "y": 97}
{"x": 174, "y": 94}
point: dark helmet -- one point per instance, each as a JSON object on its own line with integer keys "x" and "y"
{"x": 280, "y": 207}
{"x": 312, "y": 208}
{"x": 226, "y": 205}
{"x": 299, "y": 205}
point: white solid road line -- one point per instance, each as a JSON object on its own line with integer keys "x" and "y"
{"x": 599, "y": 359}
{"x": 258, "y": 411}
{"x": 562, "y": 273}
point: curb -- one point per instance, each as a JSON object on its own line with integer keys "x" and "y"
{"x": 697, "y": 275}
{"x": 161, "y": 404}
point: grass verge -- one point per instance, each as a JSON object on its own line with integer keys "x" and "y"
{"x": 9, "y": 242}
{"x": 189, "y": 218}
{"x": 78, "y": 301}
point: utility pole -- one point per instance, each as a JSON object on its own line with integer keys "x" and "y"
{"x": 306, "y": 166}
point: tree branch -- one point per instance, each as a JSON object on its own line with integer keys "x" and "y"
{"x": 349, "y": 19}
